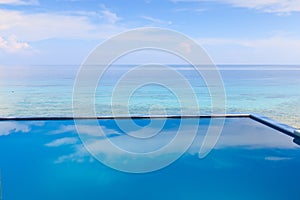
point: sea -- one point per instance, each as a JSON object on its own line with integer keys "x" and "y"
{"x": 46, "y": 91}
{"x": 65, "y": 159}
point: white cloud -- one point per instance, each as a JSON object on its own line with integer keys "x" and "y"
{"x": 19, "y": 2}
{"x": 12, "y": 45}
{"x": 64, "y": 129}
{"x": 277, "y": 6}
{"x": 79, "y": 155}
{"x": 186, "y": 47}
{"x": 110, "y": 16}
{"x": 277, "y": 158}
{"x": 156, "y": 20}
{"x": 271, "y": 50}
{"x": 10, "y": 127}
{"x": 190, "y": 10}
{"x": 62, "y": 141}
{"x": 41, "y": 26}
{"x": 254, "y": 137}
{"x": 272, "y": 6}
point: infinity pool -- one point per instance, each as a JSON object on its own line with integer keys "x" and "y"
{"x": 46, "y": 159}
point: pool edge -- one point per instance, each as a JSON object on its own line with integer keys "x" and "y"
{"x": 284, "y": 128}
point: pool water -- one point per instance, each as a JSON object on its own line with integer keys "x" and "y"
{"x": 46, "y": 159}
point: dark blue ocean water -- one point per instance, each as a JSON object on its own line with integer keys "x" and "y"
{"x": 47, "y": 91}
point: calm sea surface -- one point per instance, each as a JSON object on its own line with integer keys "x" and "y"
{"x": 47, "y": 91}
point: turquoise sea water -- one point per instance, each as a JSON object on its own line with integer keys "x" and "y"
{"x": 47, "y": 91}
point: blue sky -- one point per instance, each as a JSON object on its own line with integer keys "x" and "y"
{"x": 56, "y": 32}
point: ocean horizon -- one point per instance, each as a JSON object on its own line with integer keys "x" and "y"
{"x": 46, "y": 91}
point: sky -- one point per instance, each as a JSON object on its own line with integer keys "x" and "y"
{"x": 63, "y": 32}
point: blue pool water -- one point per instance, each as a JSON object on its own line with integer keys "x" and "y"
{"x": 47, "y": 91}
{"x": 45, "y": 159}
